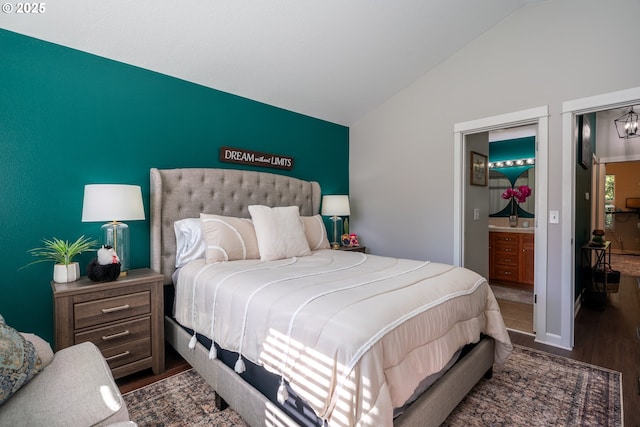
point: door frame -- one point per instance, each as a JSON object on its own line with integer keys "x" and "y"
{"x": 570, "y": 109}
{"x": 540, "y": 117}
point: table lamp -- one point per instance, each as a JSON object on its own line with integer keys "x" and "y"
{"x": 335, "y": 207}
{"x": 114, "y": 203}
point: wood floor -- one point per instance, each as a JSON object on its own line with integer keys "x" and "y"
{"x": 609, "y": 338}
{"x": 517, "y": 316}
{"x": 174, "y": 363}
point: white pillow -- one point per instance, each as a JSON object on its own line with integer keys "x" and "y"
{"x": 189, "y": 243}
{"x": 279, "y": 231}
{"x": 228, "y": 238}
{"x": 315, "y": 232}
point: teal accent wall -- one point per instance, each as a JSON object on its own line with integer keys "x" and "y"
{"x": 512, "y": 149}
{"x": 69, "y": 118}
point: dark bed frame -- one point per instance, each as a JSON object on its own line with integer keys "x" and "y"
{"x": 185, "y": 193}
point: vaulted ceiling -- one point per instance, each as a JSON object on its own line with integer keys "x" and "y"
{"x": 331, "y": 59}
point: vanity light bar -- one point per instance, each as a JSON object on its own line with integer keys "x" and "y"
{"x": 509, "y": 163}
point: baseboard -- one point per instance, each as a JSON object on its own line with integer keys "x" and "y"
{"x": 554, "y": 341}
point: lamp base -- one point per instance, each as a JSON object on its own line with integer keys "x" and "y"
{"x": 116, "y": 235}
{"x": 335, "y": 243}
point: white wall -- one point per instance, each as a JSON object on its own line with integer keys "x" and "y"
{"x": 401, "y": 154}
{"x": 476, "y": 255}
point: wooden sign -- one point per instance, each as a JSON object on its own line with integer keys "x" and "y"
{"x": 255, "y": 158}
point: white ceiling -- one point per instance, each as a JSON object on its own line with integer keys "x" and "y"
{"x": 331, "y": 59}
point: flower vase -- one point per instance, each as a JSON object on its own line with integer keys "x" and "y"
{"x": 513, "y": 216}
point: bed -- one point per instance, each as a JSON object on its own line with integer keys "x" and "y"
{"x": 353, "y": 369}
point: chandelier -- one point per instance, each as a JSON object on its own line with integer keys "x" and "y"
{"x": 627, "y": 125}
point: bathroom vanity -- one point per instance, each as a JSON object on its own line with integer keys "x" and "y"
{"x": 511, "y": 254}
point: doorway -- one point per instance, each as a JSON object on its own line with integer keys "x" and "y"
{"x": 570, "y": 110}
{"x": 511, "y": 224}
{"x": 537, "y": 117}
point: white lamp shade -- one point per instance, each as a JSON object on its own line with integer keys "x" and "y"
{"x": 335, "y": 205}
{"x": 112, "y": 202}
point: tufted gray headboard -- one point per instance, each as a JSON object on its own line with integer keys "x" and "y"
{"x": 185, "y": 193}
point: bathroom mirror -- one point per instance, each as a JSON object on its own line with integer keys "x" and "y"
{"x": 527, "y": 178}
{"x": 498, "y": 183}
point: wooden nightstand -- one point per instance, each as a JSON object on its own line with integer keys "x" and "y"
{"x": 362, "y": 249}
{"x": 123, "y": 318}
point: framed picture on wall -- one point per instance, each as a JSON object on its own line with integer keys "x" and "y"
{"x": 584, "y": 141}
{"x": 478, "y": 169}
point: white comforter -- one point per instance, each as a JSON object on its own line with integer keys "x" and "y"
{"x": 353, "y": 334}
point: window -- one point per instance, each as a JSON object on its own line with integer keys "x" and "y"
{"x": 609, "y": 199}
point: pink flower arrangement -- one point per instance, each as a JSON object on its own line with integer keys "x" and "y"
{"x": 520, "y": 194}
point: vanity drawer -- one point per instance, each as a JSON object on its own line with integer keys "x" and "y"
{"x": 118, "y": 334}
{"x": 507, "y": 273}
{"x": 506, "y": 238}
{"x": 506, "y": 251}
{"x": 105, "y": 310}
{"x": 506, "y": 259}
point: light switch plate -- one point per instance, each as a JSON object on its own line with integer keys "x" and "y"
{"x": 554, "y": 217}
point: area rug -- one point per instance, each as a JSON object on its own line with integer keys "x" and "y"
{"x": 626, "y": 264}
{"x": 511, "y": 294}
{"x": 184, "y": 399}
{"x": 535, "y": 388}
{"x": 532, "y": 388}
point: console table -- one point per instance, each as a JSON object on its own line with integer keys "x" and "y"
{"x": 595, "y": 259}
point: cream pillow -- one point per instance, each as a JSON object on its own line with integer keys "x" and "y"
{"x": 43, "y": 348}
{"x": 279, "y": 231}
{"x": 228, "y": 238}
{"x": 315, "y": 232}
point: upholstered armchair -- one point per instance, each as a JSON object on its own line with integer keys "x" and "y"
{"x": 73, "y": 387}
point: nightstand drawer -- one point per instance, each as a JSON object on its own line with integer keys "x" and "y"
{"x": 118, "y": 334}
{"x": 128, "y": 352}
{"x": 110, "y": 309}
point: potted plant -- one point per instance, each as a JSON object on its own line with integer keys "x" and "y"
{"x": 62, "y": 253}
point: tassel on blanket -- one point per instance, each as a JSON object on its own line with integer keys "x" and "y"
{"x": 192, "y": 342}
{"x": 283, "y": 394}
{"x": 240, "y": 367}
{"x": 213, "y": 352}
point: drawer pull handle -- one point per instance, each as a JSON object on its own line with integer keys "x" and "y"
{"x": 112, "y": 309}
{"x": 117, "y": 356}
{"x": 117, "y": 335}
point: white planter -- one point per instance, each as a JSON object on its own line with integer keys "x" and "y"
{"x": 66, "y": 273}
